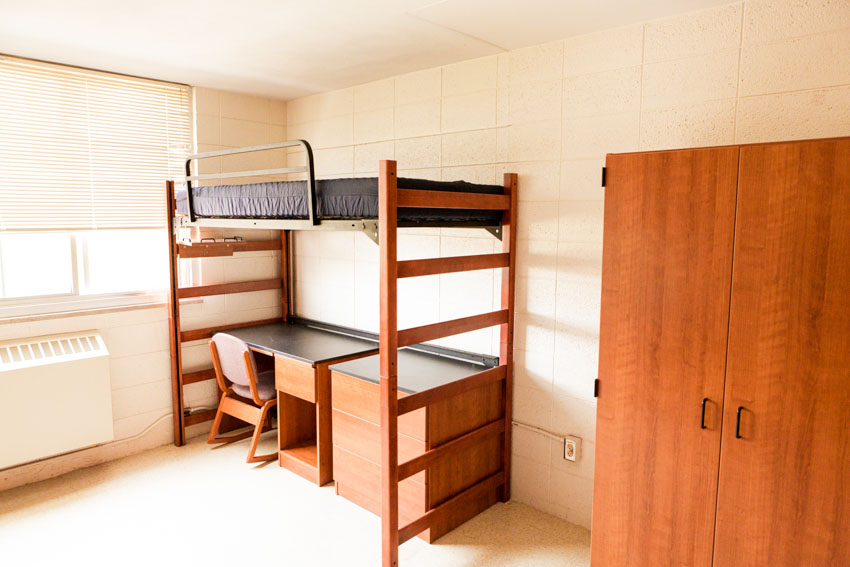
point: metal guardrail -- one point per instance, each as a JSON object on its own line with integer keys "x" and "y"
{"x": 308, "y": 169}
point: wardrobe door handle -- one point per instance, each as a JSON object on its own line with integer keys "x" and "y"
{"x": 702, "y": 418}
{"x": 738, "y": 423}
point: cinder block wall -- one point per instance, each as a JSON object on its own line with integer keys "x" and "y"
{"x": 746, "y": 72}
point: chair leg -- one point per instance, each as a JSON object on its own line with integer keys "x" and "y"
{"x": 214, "y": 438}
{"x": 268, "y": 425}
{"x": 255, "y": 439}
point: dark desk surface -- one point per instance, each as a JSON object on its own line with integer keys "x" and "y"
{"x": 304, "y": 343}
{"x": 417, "y": 371}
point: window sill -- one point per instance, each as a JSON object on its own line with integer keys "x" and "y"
{"x": 12, "y": 319}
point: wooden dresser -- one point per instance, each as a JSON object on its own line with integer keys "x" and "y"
{"x": 357, "y": 445}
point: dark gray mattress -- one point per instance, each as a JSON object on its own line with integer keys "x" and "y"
{"x": 353, "y": 198}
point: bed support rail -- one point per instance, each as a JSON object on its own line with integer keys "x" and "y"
{"x": 307, "y": 168}
{"x": 390, "y": 198}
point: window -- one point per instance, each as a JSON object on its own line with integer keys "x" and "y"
{"x": 83, "y": 160}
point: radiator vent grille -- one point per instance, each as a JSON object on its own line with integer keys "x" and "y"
{"x": 50, "y": 349}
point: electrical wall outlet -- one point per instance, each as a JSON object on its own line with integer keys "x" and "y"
{"x": 572, "y": 448}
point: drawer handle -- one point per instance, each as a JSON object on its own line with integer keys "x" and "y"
{"x": 738, "y": 423}
{"x": 702, "y": 419}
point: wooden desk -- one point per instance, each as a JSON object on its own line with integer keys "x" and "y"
{"x": 357, "y": 442}
{"x": 302, "y": 355}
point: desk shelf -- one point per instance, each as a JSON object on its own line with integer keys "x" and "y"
{"x": 306, "y": 453}
{"x": 302, "y": 460}
{"x": 298, "y": 439}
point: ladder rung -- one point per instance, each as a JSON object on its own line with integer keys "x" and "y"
{"x": 413, "y": 402}
{"x": 219, "y": 289}
{"x": 431, "y": 266}
{"x": 426, "y": 459}
{"x": 435, "y": 514}
{"x": 199, "y": 376}
{"x": 205, "y": 333}
{"x": 199, "y": 417}
{"x": 434, "y": 331}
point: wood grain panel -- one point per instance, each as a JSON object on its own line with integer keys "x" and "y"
{"x": 785, "y": 485}
{"x": 296, "y": 421}
{"x": 417, "y": 198}
{"x": 666, "y": 276}
{"x": 362, "y": 398}
{"x": 295, "y": 378}
{"x": 363, "y": 438}
{"x": 365, "y": 477}
{"x": 464, "y": 412}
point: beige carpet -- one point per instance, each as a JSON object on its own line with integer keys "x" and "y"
{"x": 204, "y": 506}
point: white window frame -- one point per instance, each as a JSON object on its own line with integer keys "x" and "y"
{"x": 76, "y": 301}
{"x": 17, "y": 307}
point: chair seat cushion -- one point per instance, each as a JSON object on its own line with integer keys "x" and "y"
{"x": 265, "y": 387}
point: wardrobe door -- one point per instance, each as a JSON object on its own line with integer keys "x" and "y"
{"x": 785, "y": 466}
{"x": 666, "y": 275}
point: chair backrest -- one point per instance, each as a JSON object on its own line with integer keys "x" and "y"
{"x": 231, "y": 352}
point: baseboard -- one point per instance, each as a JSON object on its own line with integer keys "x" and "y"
{"x": 161, "y": 434}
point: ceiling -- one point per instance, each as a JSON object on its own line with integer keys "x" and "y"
{"x": 286, "y": 49}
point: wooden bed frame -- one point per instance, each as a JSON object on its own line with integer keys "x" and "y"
{"x": 390, "y": 199}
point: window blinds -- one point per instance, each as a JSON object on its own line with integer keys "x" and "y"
{"x": 81, "y": 149}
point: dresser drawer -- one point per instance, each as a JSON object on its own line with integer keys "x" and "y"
{"x": 362, "y": 399}
{"x": 363, "y": 438}
{"x": 295, "y": 378}
{"x": 364, "y": 478}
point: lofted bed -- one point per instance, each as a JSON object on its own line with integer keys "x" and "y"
{"x": 455, "y": 461}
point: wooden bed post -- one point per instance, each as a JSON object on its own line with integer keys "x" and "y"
{"x": 284, "y": 275}
{"x": 174, "y": 320}
{"x": 506, "y": 338}
{"x": 387, "y": 226}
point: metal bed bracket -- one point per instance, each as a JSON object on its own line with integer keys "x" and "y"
{"x": 370, "y": 229}
{"x": 495, "y": 231}
{"x": 308, "y": 169}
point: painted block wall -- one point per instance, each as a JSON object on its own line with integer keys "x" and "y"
{"x": 762, "y": 70}
{"x": 226, "y": 120}
{"x": 138, "y": 339}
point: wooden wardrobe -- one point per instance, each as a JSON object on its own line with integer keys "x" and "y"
{"x": 723, "y": 417}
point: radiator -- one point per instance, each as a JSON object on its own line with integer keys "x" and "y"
{"x": 55, "y": 396}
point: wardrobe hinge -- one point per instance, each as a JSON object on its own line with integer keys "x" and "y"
{"x": 596, "y": 388}
{"x": 603, "y": 176}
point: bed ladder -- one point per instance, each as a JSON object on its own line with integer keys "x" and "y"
{"x": 390, "y": 198}
{"x": 181, "y": 417}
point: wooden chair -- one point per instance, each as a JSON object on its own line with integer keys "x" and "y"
{"x": 241, "y": 384}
